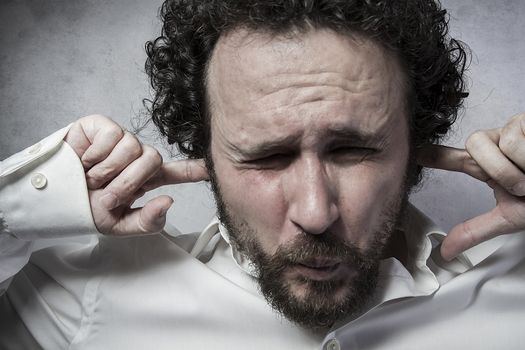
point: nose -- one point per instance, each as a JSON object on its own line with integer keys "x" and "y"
{"x": 312, "y": 204}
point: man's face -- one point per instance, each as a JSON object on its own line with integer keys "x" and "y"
{"x": 310, "y": 149}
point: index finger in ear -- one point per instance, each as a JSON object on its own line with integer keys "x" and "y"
{"x": 451, "y": 159}
{"x": 179, "y": 171}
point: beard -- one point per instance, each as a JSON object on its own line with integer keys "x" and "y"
{"x": 321, "y": 303}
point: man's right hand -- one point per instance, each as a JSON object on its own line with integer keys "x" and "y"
{"x": 119, "y": 170}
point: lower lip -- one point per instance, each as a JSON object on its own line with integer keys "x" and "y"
{"x": 319, "y": 273}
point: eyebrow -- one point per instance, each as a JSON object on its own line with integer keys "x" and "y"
{"x": 289, "y": 143}
{"x": 360, "y": 137}
{"x": 283, "y": 144}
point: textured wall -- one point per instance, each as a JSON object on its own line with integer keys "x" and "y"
{"x": 63, "y": 59}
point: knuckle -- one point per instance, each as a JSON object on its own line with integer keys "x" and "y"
{"x": 507, "y": 143}
{"x": 470, "y": 237}
{"x": 133, "y": 146}
{"x": 93, "y": 118}
{"x": 96, "y": 117}
{"x": 103, "y": 173}
{"x": 123, "y": 190}
{"x": 517, "y": 118}
{"x": 127, "y": 187}
{"x": 514, "y": 126}
{"x": 102, "y": 119}
{"x": 475, "y": 139}
{"x": 93, "y": 154}
{"x": 95, "y": 175}
{"x": 510, "y": 217}
{"x": 109, "y": 126}
{"x": 152, "y": 154}
{"x": 135, "y": 152}
{"x": 499, "y": 174}
{"x": 117, "y": 131}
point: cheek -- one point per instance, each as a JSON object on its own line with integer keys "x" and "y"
{"x": 255, "y": 199}
{"x": 365, "y": 196}
{"x": 368, "y": 195}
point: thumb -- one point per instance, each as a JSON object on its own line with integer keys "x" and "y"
{"x": 152, "y": 216}
{"x": 473, "y": 232}
{"x": 146, "y": 220}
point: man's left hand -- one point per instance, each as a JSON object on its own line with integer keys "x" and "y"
{"x": 497, "y": 157}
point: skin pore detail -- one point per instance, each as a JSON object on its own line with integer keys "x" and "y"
{"x": 309, "y": 156}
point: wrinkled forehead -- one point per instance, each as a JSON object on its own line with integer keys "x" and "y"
{"x": 246, "y": 58}
{"x": 309, "y": 80}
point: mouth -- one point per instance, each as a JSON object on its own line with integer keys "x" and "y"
{"x": 319, "y": 269}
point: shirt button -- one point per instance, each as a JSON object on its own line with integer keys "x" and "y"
{"x": 332, "y": 344}
{"x": 38, "y": 181}
{"x": 35, "y": 148}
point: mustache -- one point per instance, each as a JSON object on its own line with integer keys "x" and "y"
{"x": 308, "y": 249}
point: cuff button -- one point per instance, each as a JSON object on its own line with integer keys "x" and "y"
{"x": 38, "y": 181}
{"x": 35, "y": 148}
{"x": 332, "y": 344}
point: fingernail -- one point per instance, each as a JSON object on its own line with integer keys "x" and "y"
{"x": 109, "y": 201}
{"x": 519, "y": 189}
{"x": 164, "y": 211}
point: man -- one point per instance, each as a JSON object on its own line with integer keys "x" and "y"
{"x": 312, "y": 121}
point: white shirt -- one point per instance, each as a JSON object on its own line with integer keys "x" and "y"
{"x": 194, "y": 291}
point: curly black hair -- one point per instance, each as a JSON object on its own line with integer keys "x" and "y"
{"x": 416, "y": 30}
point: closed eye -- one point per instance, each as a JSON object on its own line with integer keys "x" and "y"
{"x": 352, "y": 149}
{"x": 351, "y": 153}
{"x": 273, "y": 161}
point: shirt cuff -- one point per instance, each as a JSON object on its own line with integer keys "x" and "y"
{"x": 43, "y": 192}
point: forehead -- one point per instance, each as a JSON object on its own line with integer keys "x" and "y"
{"x": 256, "y": 80}
{"x": 245, "y": 55}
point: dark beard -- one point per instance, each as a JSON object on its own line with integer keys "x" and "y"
{"x": 320, "y": 308}
{"x": 327, "y": 301}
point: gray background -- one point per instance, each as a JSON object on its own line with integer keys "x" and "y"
{"x": 60, "y": 60}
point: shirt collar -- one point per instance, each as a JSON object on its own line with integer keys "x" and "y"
{"x": 425, "y": 270}
{"x": 419, "y": 246}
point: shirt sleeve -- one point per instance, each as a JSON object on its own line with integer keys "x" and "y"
{"x": 43, "y": 195}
